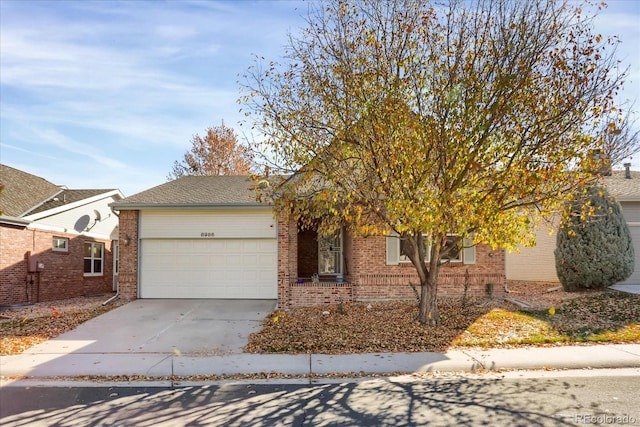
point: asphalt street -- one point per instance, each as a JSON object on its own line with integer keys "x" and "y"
{"x": 607, "y": 397}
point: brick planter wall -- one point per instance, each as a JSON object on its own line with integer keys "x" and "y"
{"x": 324, "y": 293}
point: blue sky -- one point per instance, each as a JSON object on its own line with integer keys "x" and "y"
{"x": 107, "y": 94}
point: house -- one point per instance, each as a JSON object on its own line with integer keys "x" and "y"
{"x": 537, "y": 264}
{"x": 55, "y": 243}
{"x": 209, "y": 237}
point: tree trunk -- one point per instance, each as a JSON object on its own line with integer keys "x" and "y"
{"x": 428, "y": 275}
{"x": 428, "y": 314}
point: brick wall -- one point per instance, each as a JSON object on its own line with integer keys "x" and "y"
{"x": 369, "y": 278}
{"x": 307, "y": 294}
{"x": 63, "y": 273}
{"x": 128, "y": 274}
{"x": 374, "y": 279}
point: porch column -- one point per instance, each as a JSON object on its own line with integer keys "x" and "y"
{"x": 287, "y": 258}
{"x": 128, "y": 237}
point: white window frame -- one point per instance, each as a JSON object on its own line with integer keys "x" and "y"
{"x": 92, "y": 258}
{"x": 58, "y": 239}
{"x": 394, "y": 257}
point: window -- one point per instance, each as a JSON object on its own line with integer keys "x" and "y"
{"x": 451, "y": 252}
{"x": 93, "y": 258}
{"x": 465, "y": 253}
{"x": 60, "y": 244}
{"x": 403, "y": 251}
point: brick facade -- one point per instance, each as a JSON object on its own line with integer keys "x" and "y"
{"x": 369, "y": 278}
{"x": 128, "y": 274}
{"x": 63, "y": 273}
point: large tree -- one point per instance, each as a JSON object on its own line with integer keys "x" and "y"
{"x": 217, "y": 153}
{"x": 422, "y": 120}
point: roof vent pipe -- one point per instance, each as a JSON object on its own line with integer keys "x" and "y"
{"x": 627, "y": 170}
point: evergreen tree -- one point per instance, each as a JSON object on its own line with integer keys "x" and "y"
{"x": 594, "y": 247}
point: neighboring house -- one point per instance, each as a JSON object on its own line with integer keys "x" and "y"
{"x": 55, "y": 243}
{"x": 537, "y": 263}
{"x": 208, "y": 237}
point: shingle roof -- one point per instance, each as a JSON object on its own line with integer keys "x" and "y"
{"x": 195, "y": 191}
{"x": 623, "y": 188}
{"x": 23, "y": 191}
{"x": 66, "y": 197}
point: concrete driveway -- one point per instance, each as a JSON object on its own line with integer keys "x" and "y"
{"x": 170, "y": 326}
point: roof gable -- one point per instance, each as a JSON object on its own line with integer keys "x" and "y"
{"x": 22, "y": 192}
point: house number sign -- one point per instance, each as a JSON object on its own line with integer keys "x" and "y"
{"x": 207, "y": 234}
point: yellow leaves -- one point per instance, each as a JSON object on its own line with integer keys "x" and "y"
{"x": 552, "y": 311}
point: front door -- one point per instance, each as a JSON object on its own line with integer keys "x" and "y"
{"x": 330, "y": 254}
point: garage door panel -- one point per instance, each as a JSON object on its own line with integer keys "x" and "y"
{"x": 214, "y": 268}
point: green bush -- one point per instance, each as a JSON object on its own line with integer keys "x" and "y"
{"x": 593, "y": 247}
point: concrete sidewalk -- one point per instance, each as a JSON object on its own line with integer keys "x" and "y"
{"x": 76, "y": 364}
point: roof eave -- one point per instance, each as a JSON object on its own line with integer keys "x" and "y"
{"x": 73, "y": 205}
{"x": 152, "y": 206}
{"x": 11, "y": 220}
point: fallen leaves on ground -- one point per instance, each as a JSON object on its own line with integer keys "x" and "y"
{"x": 362, "y": 328}
{"x": 388, "y": 327}
{"x": 391, "y": 327}
{"x": 20, "y": 334}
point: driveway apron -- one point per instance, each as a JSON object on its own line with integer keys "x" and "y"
{"x": 172, "y": 326}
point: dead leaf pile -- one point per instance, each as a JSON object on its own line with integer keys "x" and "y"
{"x": 362, "y": 328}
{"x": 391, "y": 327}
{"x": 610, "y": 312}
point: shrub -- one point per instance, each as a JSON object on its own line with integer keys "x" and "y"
{"x": 593, "y": 247}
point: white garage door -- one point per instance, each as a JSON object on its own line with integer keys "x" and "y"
{"x": 208, "y": 254}
{"x": 225, "y": 268}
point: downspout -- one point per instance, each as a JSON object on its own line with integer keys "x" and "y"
{"x": 113, "y": 297}
{"x": 117, "y": 292}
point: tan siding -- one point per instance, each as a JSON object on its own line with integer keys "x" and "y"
{"x": 536, "y": 264}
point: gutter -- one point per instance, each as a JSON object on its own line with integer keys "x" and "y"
{"x": 163, "y": 206}
{"x": 11, "y": 220}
